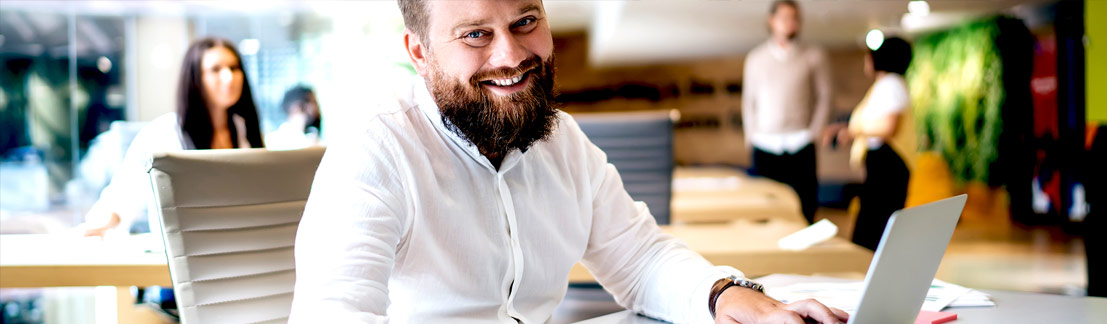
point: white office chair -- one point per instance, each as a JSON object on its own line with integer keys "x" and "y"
{"x": 229, "y": 220}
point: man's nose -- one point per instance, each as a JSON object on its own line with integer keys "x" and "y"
{"x": 507, "y": 51}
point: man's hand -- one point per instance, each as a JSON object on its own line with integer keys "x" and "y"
{"x": 746, "y": 306}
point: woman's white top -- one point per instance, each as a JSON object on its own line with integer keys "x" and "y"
{"x": 888, "y": 96}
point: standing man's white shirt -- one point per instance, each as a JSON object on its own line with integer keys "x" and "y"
{"x": 407, "y": 217}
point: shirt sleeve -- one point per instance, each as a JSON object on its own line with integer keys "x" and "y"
{"x": 130, "y": 193}
{"x": 648, "y": 271}
{"x": 889, "y": 96}
{"x": 749, "y": 97}
{"x": 824, "y": 92}
{"x": 349, "y": 235}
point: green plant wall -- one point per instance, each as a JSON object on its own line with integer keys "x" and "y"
{"x": 1096, "y": 29}
{"x": 956, "y": 86}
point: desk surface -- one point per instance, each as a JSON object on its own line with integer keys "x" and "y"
{"x": 68, "y": 260}
{"x": 57, "y": 260}
{"x": 715, "y": 194}
{"x": 1011, "y": 307}
{"x": 751, "y": 246}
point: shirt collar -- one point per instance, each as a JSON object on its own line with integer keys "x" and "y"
{"x": 782, "y": 53}
{"x": 423, "y": 100}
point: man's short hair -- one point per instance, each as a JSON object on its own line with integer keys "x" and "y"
{"x": 415, "y": 17}
{"x": 776, "y": 5}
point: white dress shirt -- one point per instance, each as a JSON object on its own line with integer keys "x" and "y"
{"x": 408, "y": 223}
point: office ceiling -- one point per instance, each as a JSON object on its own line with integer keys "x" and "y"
{"x": 620, "y": 32}
{"x": 629, "y": 32}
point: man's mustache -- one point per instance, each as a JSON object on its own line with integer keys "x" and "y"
{"x": 526, "y": 65}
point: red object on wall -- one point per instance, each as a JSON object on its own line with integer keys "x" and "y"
{"x": 1043, "y": 90}
{"x": 1043, "y": 85}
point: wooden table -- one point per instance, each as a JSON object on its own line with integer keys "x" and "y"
{"x": 751, "y": 246}
{"x": 64, "y": 261}
{"x": 54, "y": 260}
{"x": 718, "y": 194}
{"x": 60, "y": 260}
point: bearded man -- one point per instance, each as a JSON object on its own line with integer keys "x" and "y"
{"x": 469, "y": 198}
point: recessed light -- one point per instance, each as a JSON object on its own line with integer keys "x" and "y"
{"x": 874, "y": 39}
{"x": 918, "y": 7}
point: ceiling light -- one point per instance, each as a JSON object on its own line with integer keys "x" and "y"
{"x": 874, "y": 39}
{"x": 918, "y": 7}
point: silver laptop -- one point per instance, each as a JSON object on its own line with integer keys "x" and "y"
{"x": 906, "y": 260}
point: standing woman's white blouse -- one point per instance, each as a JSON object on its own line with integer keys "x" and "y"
{"x": 130, "y": 193}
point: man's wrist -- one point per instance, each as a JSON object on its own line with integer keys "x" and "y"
{"x": 724, "y": 284}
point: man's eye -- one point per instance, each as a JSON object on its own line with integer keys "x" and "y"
{"x": 525, "y": 22}
{"x": 475, "y": 34}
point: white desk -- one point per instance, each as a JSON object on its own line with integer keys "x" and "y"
{"x": 1011, "y": 307}
{"x": 68, "y": 260}
{"x": 56, "y": 260}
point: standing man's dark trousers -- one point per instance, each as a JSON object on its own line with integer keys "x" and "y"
{"x": 796, "y": 170}
{"x": 883, "y": 193}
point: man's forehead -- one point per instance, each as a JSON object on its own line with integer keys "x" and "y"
{"x": 450, "y": 14}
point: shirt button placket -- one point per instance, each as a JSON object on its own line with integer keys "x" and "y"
{"x": 516, "y": 250}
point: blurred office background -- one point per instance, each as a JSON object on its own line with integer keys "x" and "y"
{"x": 79, "y": 79}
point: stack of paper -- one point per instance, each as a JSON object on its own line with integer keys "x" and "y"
{"x": 846, "y": 295}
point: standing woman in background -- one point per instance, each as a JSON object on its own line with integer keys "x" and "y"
{"x": 215, "y": 110}
{"x": 883, "y": 137}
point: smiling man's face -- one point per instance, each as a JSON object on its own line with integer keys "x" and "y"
{"x": 489, "y": 67}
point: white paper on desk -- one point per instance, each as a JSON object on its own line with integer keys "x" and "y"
{"x": 840, "y": 295}
{"x": 941, "y": 294}
{"x": 847, "y": 295}
{"x": 970, "y": 297}
{"x": 820, "y": 231}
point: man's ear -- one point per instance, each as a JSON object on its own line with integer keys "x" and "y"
{"x": 416, "y": 52}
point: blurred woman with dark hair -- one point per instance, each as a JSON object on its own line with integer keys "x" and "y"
{"x": 215, "y": 110}
{"x": 303, "y": 123}
{"x": 884, "y": 141}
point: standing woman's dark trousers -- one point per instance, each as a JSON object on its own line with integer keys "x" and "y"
{"x": 884, "y": 192}
{"x": 796, "y": 170}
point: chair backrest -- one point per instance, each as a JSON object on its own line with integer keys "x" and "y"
{"x": 640, "y": 145}
{"x": 229, "y": 220}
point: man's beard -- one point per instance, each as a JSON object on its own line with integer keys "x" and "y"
{"x": 497, "y": 124}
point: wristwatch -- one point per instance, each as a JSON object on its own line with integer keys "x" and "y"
{"x": 731, "y": 281}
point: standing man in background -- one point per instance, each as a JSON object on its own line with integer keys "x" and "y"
{"x": 785, "y": 103}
